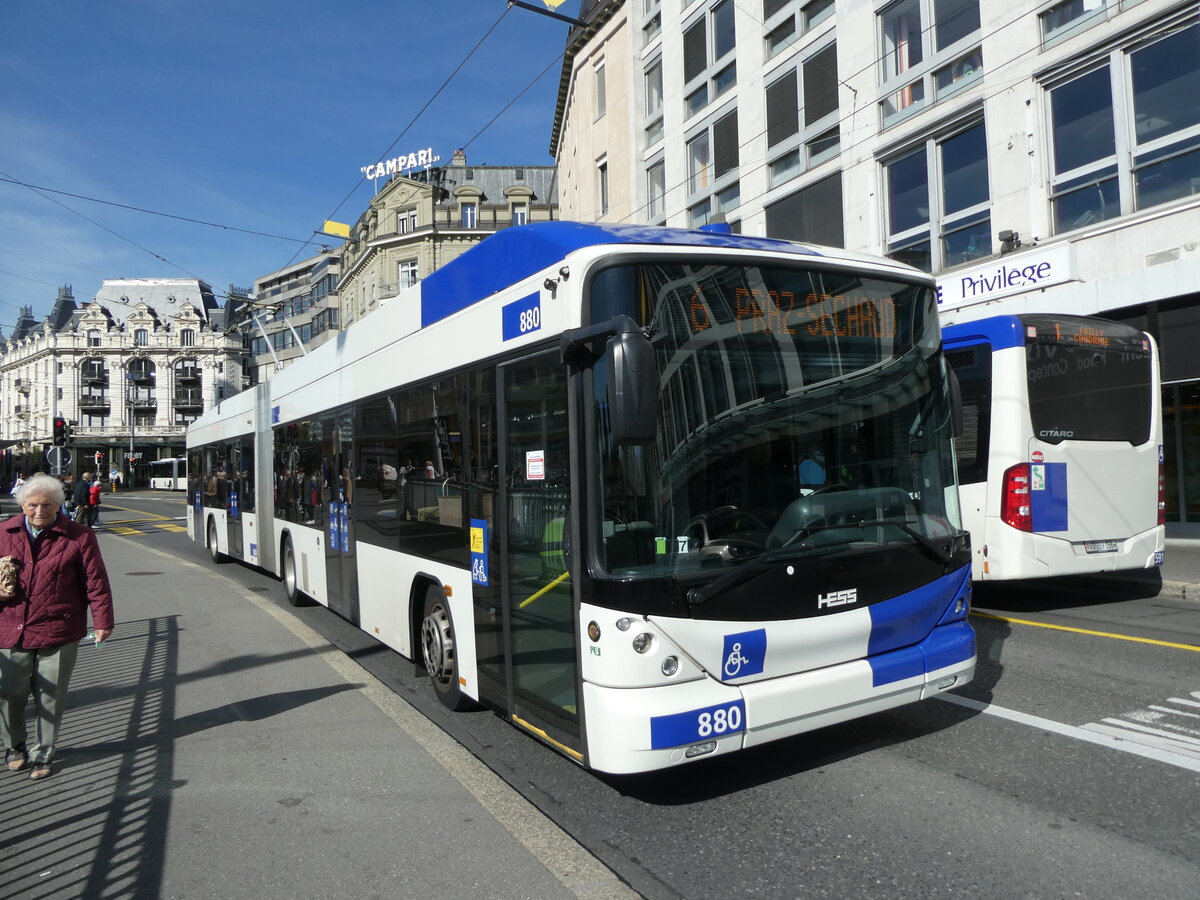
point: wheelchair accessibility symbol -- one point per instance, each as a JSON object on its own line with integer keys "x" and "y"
{"x": 744, "y": 654}
{"x": 733, "y": 662}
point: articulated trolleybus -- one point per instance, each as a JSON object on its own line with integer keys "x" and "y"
{"x": 1061, "y": 456}
{"x": 654, "y": 495}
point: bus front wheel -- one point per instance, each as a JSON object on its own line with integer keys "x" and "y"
{"x": 438, "y": 651}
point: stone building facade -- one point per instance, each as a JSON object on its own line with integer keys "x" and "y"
{"x": 129, "y": 368}
{"x": 419, "y": 222}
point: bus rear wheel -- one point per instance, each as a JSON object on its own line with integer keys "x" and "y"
{"x": 291, "y": 578}
{"x": 438, "y": 651}
{"x": 214, "y": 551}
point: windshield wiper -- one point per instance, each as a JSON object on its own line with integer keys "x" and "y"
{"x": 698, "y": 596}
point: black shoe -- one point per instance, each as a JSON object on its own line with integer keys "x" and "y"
{"x": 16, "y": 759}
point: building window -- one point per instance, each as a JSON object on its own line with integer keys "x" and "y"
{"x": 1114, "y": 159}
{"x": 709, "y": 66}
{"x": 408, "y": 273}
{"x": 468, "y": 215}
{"x": 1070, "y": 17}
{"x": 656, "y": 189}
{"x": 141, "y": 337}
{"x": 187, "y": 337}
{"x": 812, "y": 215}
{"x": 783, "y": 30}
{"x": 93, "y": 338}
{"x": 654, "y": 103}
{"x": 713, "y": 159}
{"x": 939, "y": 203}
{"x": 520, "y": 214}
{"x": 652, "y": 24}
{"x": 798, "y": 142}
{"x": 601, "y": 95}
{"x": 930, "y": 49}
{"x": 602, "y": 187}
{"x": 406, "y": 221}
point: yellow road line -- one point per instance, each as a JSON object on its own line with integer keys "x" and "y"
{"x": 142, "y": 514}
{"x": 1105, "y": 634}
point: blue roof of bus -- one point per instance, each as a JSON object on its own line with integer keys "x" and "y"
{"x": 1001, "y": 332}
{"x": 512, "y": 254}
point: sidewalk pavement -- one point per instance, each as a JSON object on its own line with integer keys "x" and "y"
{"x": 216, "y": 746}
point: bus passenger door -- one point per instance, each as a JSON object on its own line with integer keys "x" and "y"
{"x": 540, "y": 627}
{"x": 337, "y": 474}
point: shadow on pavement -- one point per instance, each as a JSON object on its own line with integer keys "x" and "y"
{"x": 1068, "y": 592}
{"x": 98, "y": 826}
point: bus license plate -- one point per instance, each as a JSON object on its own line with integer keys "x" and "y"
{"x": 1100, "y": 546}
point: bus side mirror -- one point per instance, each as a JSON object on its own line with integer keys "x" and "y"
{"x": 956, "y": 402}
{"x": 632, "y": 388}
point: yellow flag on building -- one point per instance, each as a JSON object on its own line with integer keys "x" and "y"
{"x": 554, "y": 4}
{"x": 336, "y": 228}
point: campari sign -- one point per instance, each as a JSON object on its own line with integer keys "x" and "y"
{"x": 403, "y": 163}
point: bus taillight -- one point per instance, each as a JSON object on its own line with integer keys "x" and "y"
{"x": 1162, "y": 494}
{"x": 1014, "y": 503}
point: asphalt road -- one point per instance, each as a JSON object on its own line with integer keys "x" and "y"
{"x": 1069, "y": 767}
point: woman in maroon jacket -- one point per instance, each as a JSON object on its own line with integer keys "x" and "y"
{"x": 43, "y": 616}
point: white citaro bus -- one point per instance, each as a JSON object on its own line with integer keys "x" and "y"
{"x": 1061, "y": 459}
{"x": 168, "y": 474}
{"x": 653, "y": 495}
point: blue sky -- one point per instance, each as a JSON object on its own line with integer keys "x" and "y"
{"x": 252, "y": 115}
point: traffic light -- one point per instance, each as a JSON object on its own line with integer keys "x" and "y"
{"x": 61, "y": 431}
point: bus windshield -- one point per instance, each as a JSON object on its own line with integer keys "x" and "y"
{"x": 1089, "y": 380}
{"x": 802, "y": 414}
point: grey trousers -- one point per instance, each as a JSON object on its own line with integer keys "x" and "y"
{"x": 45, "y": 672}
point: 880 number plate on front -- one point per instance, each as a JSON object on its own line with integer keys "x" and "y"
{"x": 697, "y": 725}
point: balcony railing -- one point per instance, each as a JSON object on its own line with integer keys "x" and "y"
{"x": 91, "y": 376}
{"x": 188, "y": 400}
{"x": 93, "y": 402}
{"x": 144, "y": 402}
{"x": 21, "y": 385}
{"x": 187, "y": 374}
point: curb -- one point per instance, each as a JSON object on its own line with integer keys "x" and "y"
{"x": 1180, "y": 590}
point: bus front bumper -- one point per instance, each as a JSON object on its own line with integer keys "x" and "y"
{"x": 633, "y": 730}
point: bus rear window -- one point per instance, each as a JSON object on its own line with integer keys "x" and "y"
{"x": 1089, "y": 387}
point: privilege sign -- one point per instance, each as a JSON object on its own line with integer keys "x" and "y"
{"x": 1015, "y": 274}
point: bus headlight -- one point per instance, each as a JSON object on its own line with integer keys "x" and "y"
{"x": 624, "y": 623}
{"x": 670, "y": 666}
{"x": 642, "y": 642}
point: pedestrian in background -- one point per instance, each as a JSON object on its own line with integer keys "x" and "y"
{"x": 61, "y": 575}
{"x": 83, "y": 499}
{"x": 95, "y": 495}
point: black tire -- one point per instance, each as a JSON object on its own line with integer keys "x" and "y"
{"x": 291, "y": 578}
{"x": 438, "y": 651}
{"x": 213, "y": 552}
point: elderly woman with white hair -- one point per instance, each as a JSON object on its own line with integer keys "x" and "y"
{"x": 51, "y": 574}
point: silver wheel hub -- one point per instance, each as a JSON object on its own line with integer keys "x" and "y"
{"x": 437, "y": 644}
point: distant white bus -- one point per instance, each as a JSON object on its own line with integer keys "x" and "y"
{"x": 1060, "y": 464}
{"x": 168, "y": 474}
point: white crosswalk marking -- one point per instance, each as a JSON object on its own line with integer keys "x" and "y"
{"x": 1171, "y": 725}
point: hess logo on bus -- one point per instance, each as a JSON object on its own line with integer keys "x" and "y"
{"x": 837, "y": 598}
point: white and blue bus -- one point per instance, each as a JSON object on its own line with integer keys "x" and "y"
{"x": 168, "y": 474}
{"x": 653, "y": 495}
{"x": 1060, "y": 462}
